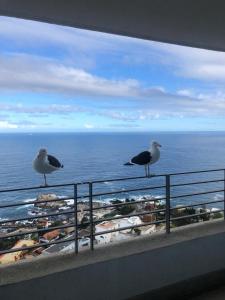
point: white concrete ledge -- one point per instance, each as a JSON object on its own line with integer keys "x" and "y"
{"x": 43, "y": 266}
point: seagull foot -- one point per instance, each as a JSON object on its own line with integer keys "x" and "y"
{"x": 43, "y": 185}
{"x": 151, "y": 175}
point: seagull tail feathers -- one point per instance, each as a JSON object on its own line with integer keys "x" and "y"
{"x": 128, "y": 164}
{"x": 62, "y": 166}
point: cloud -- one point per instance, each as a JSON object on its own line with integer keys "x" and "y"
{"x": 28, "y": 73}
{"x": 25, "y": 123}
{"x": 118, "y": 115}
{"x": 22, "y": 124}
{"x": 194, "y": 63}
{"x": 83, "y": 46}
{"x": 124, "y": 126}
{"x": 128, "y": 100}
{"x": 7, "y": 125}
{"x": 161, "y": 106}
{"x": 33, "y": 33}
{"x": 35, "y": 74}
{"x": 41, "y": 109}
{"x": 133, "y": 115}
{"x": 89, "y": 126}
{"x": 185, "y": 92}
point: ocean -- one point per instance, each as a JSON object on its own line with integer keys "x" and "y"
{"x": 100, "y": 156}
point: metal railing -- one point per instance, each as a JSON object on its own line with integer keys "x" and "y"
{"x": 89, "y": 199}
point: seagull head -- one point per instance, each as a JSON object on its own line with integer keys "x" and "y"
{"x": 42, "y": 153}
{"x": 156, "y": 144}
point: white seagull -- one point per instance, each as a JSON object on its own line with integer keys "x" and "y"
{"x": 146, "y": 158}
{"x": 45, "y": 163}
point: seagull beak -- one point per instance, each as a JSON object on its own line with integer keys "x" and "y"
{"x": 159, "y": 145}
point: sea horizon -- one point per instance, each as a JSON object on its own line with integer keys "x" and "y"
{"x": 116, "y": 132}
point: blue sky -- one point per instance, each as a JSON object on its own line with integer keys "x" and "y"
{"x": 55, "y": 78}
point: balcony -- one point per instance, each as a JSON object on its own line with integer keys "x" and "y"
{"x": 163, "y": 259}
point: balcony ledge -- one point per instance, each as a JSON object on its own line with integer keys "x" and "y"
{"x": 47, "y": 265}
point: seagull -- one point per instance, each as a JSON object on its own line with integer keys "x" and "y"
{"x": 45, "y": 163}
{"x": 146, "y": 158}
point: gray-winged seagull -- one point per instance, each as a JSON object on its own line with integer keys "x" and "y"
{"x": 146, "y": 158}
{"x": 45, "y": 163}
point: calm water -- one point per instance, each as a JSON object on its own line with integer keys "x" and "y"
{"x": 88, "y": 156}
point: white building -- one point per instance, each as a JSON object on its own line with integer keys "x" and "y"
{"x": 107, "y": 237}
{"x": 128, "y": 222}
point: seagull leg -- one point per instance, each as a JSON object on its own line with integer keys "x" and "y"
{"x": 146, "y": 174}
{"x": 45, "y": 180}
{"x": 150, "y": 175}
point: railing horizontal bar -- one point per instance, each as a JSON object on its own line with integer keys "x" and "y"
{"x": 198, "y": 204}
{"x": 36, "y": 231}
{"x": 196, "y": 215}
{"x": 129, "y": 216}
{"x": 194, "y": 172}
{"x": 106, "y": 219}
{"x": 129, "y": 203}
{"x": 129, "y": 227}
{"x": 198, "y": 182}
{"x": 196, "y": 194}
{"x": 130, "y": 190}
{"x": 85, "y": 223}
{"x": 37, "y": 246}
{"x": 107, "y": 180}
{"x": 72, "y": 239}
{"x": 42, "y": 201}
{"x": 37, "y": 217}
{"x": 160, "y": 175}
{"x": 72, "y": 211}
{"x": 71, "y": 184}
{"x": 35, "y": 202}
{"x": 84, "y": 210}
{"x": 36, "y": 187}
{"x": 80, "y": 197}
{"x": 116, "y": 179}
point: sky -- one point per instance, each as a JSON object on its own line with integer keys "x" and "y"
{"x": 62, "y": 79}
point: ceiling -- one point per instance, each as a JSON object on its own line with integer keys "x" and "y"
{"x": 197, "y": 23}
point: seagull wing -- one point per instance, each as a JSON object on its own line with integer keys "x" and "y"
{"x": 142, "y": 158}
{"x": 54, "y": 161}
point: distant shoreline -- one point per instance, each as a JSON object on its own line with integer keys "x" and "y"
{"x": 115, "y": 132}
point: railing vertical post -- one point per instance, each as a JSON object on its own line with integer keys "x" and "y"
{"x": 91, "y": 215}
{"x": 224, "y": 194}
{"x": 167, "y": 203}
{"x": 75, "y": 218}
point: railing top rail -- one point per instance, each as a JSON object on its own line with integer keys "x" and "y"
{"x": 107, "y": 180}
{"x": 36, "y": 187}
{"x": 71, "y": 184}
{"x": 85, "y": 196}
{"x": 194, "y": 172}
